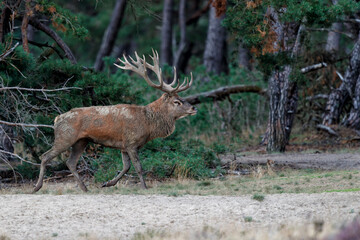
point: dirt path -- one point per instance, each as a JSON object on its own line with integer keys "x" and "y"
{"x": 325, "y": 161}
{"x": 120, "y": 216}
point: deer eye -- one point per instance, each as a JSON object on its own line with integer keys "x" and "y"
{"x": 177, "y": 103}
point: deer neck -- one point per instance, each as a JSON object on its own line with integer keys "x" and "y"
{"x": 160, "y": 123}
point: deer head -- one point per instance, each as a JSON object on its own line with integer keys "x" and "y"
{"x": 170, "y": 102}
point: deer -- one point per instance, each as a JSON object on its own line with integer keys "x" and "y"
{"x": 124, "y": 126}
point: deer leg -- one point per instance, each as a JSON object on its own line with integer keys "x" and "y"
{"x": 76, "y": 151}
{"x": 137, "y": 165}
{"x": 126, "y": 167}
{"x": 45, "y": 158}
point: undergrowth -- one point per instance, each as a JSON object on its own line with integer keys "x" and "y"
{"x": 164, "y": 158}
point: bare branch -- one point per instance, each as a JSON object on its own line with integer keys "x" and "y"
{"x": 6, "y": 53}
{"x": 340, "y": 76}
{"x": 327, "y": 129}
{"x": 17, "y": 156}
{"x": 39, "y": 90}
{"x": 26, "y": 124}
{"x": 352, "y": 20}
{"x": 222, "y": 92}
{"x": 68, "y": 53}
{"x": 331, "y": 30}
{"x": 297, "y": 41}
{"x": 313, "y": 67}
{"x": 318, "y": 96}
{"x": 42, "y": 45}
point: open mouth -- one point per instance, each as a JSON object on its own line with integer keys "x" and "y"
{"x": 191, "y": 113}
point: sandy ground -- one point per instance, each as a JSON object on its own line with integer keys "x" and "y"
{"x": 120, "y": 216}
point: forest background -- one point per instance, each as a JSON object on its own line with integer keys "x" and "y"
{"x": 265, "y": 72}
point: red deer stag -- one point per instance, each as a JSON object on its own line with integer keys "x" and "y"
{"x": 126, "y": 127}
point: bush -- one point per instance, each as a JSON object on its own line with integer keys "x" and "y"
{"x": 164, "y": 158}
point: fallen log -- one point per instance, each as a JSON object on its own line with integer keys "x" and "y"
{"x": 223, "y": 92}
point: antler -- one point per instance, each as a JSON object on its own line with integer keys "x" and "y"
{"x": 140, "y": 67}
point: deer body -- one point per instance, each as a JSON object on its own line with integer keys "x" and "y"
{"x": 120, "y": 126}
{"x": 125, "y": 127}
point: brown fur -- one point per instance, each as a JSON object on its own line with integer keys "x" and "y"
{"x": 126, "y": 127}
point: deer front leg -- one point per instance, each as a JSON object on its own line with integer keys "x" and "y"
{"x": 133, "y": 154}
{"x": 126, "y": 167}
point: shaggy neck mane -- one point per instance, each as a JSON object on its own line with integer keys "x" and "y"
{"x": 160, "y": 123}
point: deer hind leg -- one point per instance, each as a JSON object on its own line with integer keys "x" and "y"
{"x": 45, "y": 158}
{"x": 126, "y": 167}
{"x": 76, "y": 151}
{"x": 137, "y": 165}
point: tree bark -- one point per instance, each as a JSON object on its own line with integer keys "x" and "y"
{"x": 68, "y": 53}
{"x": 6, "y": 135}
{"x": 334, "y": 105}
{"x": 349, "y": 88}
{"x": 353, "y": 120}
{"x": 215, "y": 47}
{"x": 278, "y": 87}
{"x": 352, "y": 83}
{"x": 290, "y": 109}
{"x": 166, "y": 33}
{"x": 283, "y": 94}
{"x": 4, "y": 22}
{"x": 24, "y": 26}
{"x": 110, "y": 34}
{"x": 244, "y": 57}
{"x": 333, "y": 39}
{"x": 183, "y": 41}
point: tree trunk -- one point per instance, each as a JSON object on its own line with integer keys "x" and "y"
{"x": 290, "y": 109}
{"x": 283, "y": 94}
{"x": 353, "y": 120}
{"x": 166, "y": 33}
{"x": 349, "y": 88}
{"x": 4, "y": 22}
{"x": 278, "y": 87}
{"x": 24, "y": 26}
{"x": 183, "y": 49}
{"x": 215, "y": 48}
{"x": 6, "y": 136}
{"x": 244, "y": 57}
{"x": 334, "y": 105}
{"x": 333, "y": 39}
{"x": 110, "y": 35}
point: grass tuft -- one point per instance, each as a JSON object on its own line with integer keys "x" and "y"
{"x": 258, "y": 197}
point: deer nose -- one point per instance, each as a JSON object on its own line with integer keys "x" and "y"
{"x": 194, "y": 109}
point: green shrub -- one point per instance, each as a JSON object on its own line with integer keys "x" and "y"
{"x": 163, "y": 158}
{"x": 258, "y": 197}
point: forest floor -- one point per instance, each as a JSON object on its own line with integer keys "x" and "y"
{"x": 282, "y": 203}
{"x": 308, "y": 193}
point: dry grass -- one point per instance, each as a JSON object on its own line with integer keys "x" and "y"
{"x": 284, "y": 181}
